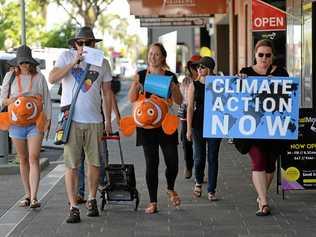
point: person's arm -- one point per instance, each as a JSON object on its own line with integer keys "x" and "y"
{"x": 47, "y": 102}
{"x": 107, "y": 95}
{"x": 116, "y": 110}
{"x": 58, "y": 73}
{"x": 190, "y": 108}
{"x": 176, "y": 93}
{"x": 134, "y": 89}
{"x": 4, "y": 100}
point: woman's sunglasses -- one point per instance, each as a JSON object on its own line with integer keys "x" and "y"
{"x": 86, "y": 43}
{"x": 268, "y": 55}
{"x": 201, "y": 66}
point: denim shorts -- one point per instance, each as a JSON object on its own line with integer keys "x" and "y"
{"x": 19, "y": 132}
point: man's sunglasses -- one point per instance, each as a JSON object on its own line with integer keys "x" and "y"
{"x": 86, "y": 43}
{"x": 268, "y": 55}
{"x": 201, "y": 66}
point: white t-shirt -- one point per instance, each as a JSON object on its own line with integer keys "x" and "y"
{"x": 88, "y": 104}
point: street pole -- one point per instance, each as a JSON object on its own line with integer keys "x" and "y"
{"x": 23, "y": 34}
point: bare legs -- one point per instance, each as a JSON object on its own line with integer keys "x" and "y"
{"x": 262, "y": 182}
{"x": 71, "y": 180}
{"x": 71, "y": 185}
{"x": 28, "y": 153}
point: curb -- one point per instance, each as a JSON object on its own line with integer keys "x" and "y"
{"x": 10, "y": 169}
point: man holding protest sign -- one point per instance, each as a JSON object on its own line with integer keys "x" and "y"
{"x": 87, "y": 121}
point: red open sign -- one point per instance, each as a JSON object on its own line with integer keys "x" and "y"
{"x": 266, "y": 17}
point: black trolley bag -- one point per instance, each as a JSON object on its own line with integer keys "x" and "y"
{"x": 121, "y": 182}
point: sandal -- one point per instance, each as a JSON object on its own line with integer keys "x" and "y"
{"x": 174, "y": 198}
{"x": 35, "y": 203}
{"x": 197, "y": 191}
{"x": 212, "y": 197}
{"x": 151, "y": 208}
{"x": 264, "y": 211}
{"x": 25, "y": 202}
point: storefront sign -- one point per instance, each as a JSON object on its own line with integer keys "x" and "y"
{"x": 252, "y": 107}
{"x": 298, "y": 162}
{"x": 173, "y": 21}
{"x": 266, "y": 17}
{"x": 176, "y": 8}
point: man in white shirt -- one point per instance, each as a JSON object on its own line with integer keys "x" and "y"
{"x": 87, "y": 121}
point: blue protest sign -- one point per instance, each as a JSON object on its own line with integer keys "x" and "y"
{"x": 253, "y": 107}
{"x": 158, "y": 85}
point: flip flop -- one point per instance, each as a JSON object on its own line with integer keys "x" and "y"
{"x": 25, "y": 202}
{"x": 264, "y": 211}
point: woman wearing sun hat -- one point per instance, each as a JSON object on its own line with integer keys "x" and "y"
{"x": 28, "y": 81}
{"x": 184, "y": 88}
{"x": 195, "y": 113}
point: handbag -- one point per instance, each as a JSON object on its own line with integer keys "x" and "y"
{"x": 243, "y": 145}
{"x": 65, "y": 118}
{"x": 5, "y": 108}
{"x": 182, "y": 111}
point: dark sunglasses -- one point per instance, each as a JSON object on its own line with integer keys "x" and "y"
{"x": 268, "y": 55}
{"x": 86, "y": 43}
{"x": 201, "y": 66}
{"x": 25, "y": 63}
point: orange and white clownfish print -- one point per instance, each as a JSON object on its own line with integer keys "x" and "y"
{"x": 26, "y": 110}
{"x": 148, "y": 113}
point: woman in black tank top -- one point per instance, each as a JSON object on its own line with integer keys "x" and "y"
{"x": 151, "y": 139}
{"x": 263, "y": 153}
{"x": 195, "y": 115}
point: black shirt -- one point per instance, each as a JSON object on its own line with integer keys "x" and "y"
{"x": 154, "y": 135}
{"x": 266, "y": 144}
{"x": 198, "y": 114}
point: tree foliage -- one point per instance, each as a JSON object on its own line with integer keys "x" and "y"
{"x": 58, "y": 37}
{"x": 88, "y": 10}
{"x": 10, "y": 23}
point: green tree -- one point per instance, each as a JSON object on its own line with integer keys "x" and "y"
{"x": 58, "y": 37}
{"x": 10, "y": 23}
{"x": 88, "y": 10}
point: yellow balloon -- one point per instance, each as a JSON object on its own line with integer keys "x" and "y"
{"x": 206, "y": 52}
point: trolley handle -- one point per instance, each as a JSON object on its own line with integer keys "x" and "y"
{"x": 112, "y": 136}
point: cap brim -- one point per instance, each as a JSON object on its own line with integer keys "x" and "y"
{"x": 72, "y": 41}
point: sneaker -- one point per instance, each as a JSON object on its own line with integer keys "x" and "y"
{"x": 92, "y": 208}
{"x": 74, "y": 215}
{"x": 80, "y": 200}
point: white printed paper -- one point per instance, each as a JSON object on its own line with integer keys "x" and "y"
{"x": 93, "y": 56}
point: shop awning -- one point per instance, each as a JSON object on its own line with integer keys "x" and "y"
{"x": 176, "y": 8}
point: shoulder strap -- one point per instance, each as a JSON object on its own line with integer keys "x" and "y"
{"x": 72, "y": 106}
{"x": 10, "y": 83}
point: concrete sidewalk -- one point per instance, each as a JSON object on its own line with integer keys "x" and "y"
{"x": 232, "y": 215}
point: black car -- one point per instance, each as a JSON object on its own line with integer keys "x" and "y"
{"x": 4, "y": 66}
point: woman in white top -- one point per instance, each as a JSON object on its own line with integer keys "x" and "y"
{"x": 27, "y": 139}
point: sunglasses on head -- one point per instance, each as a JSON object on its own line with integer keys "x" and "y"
{"x": 267, "y": 55}
{"x": 201, "y": 66}
{"x": 84, "y": 43}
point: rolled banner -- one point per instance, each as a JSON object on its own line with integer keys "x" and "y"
{"x": 158, "y": 85}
